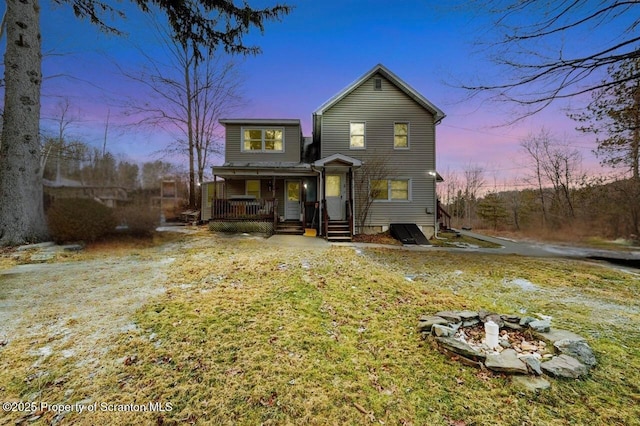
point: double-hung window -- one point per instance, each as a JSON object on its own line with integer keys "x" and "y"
{"x": 357, "y": 135}
{"x": 263, "y": 140}
{"x": 391, "y": 189}
{"x": 401, "y": 135}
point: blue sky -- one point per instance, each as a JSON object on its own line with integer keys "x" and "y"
{"x": 312, "y": 54}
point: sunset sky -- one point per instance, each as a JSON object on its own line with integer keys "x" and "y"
{"x": 316, "y": 51}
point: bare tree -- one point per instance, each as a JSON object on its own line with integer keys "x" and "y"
{"x": 56, "y": 145}
{"x": 557, "y": 166}
{"x": 187, "y": 96}
{"x": 367, "y": 186}
{"x": 473, "y": 182}
{"x": 536, "y": 64}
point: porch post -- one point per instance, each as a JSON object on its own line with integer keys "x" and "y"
{"x": 215, "y": 196}
{"x": 351, "y": 201}
{"x": 273, "y": 187}
{"x": 323, "y": 202}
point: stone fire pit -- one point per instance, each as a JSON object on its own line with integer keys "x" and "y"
{"x": 527, "y": 345}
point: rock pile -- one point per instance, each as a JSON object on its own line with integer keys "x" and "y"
{"x": 527, "y": 345}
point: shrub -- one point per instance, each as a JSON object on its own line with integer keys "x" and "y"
{"x": 79, "y": 219}
{"x": 139, "y": 220}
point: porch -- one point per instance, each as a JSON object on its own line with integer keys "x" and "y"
{"x": 282, "y": 194}
{"x": 338, "y": 196}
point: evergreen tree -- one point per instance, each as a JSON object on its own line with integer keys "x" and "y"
{"x": 492, "y": 209}
{"x": 614, "y": 117}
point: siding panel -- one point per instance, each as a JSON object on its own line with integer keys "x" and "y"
{"x": 380, "y": 109}
{"x": 233, "y": 149}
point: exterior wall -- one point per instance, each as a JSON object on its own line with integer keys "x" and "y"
{"x": 380, "y": 109}
{"x": 233, "y": 145}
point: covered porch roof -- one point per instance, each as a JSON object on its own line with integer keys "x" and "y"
{"x": 267, "y": 169}
{"x": 338, "y": 160}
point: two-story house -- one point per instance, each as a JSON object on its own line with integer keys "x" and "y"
{"x": 370, "y": 163}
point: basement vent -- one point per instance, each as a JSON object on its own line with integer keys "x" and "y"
{"x": 377, "y": 84}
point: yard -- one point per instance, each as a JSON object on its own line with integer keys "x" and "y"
{"x": 208, "y": 329}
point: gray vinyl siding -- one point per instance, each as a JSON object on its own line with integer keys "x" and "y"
{"x": 233, "y": 145}
{"x": 380, "y": 109}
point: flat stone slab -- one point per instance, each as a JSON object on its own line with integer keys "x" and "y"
{"x": 541, "y": 326}
{"x": 42, "y": 257}
{"x": 442, "y": 330}
{"x": 531, "y": 384}
{"x": 506, "y": 362}
{"x": 450, "y": 316}
{"x": 459, "y": 347}
{"x": 578, "y": 349}
{"x": 556, "y": 334}
{"x": 564, "y": 366}
{"x": 426, "y": 322}
{"x": 36, "y": 246}
{"x": 533, "y": 364}
{"x": 468, "y": 315}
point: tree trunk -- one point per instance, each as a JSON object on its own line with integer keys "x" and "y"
{"x": 21, "y": 208}
{"x": 190, "y": 136}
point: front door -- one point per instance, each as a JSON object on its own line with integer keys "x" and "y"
{"x": 292, "y": 208}
{"x": 334, "y": 187}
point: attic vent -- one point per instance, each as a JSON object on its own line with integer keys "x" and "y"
{"x": 377, "y": 84}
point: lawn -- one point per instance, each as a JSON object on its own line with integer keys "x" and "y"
{"x": 248, "y": 333}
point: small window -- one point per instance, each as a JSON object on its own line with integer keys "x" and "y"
{"x": 377, "y": 84}
{"x": 357, "y": 135}
{"x": 401, "y": 135}
{"x": 253, "y": 188}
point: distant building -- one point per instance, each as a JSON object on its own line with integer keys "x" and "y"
{"x": 110, "y": 196}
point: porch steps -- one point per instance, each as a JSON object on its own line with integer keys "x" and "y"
{"x": 338, "y": 230}
{"x": 290, "y": 227}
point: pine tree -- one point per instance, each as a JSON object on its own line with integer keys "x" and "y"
{"x": 492, "y": 209}
{"x": 614, "y": 117}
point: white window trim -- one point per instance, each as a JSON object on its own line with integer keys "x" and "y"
{"x": 246, "y": 187}
{"x": 263, "y": 150}
{"x": 391, "y": 200}
{"x": 408, "y": 123}
{"x": 365, "y": 136}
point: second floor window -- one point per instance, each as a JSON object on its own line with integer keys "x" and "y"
{"x": 401, "y": 135}
{"x": 263, "y": 140}
{"x": 356, "y": 134}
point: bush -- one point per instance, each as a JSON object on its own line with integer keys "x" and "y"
{"x": 139, "y": 220}
{"x": 79, "y": 219}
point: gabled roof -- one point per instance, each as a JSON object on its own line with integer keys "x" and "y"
{"x": 338, "y": 158}
{"x": 399, "y": 83}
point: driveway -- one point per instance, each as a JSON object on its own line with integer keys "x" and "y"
{"x": 533, "y": 249}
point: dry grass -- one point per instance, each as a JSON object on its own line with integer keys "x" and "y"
{"x": 247, "y": 335}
